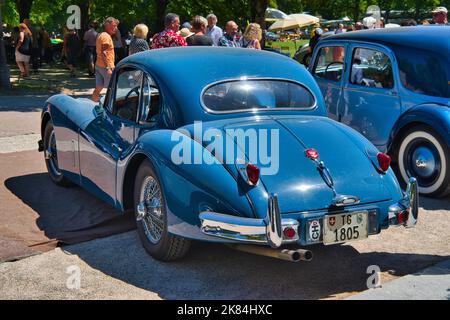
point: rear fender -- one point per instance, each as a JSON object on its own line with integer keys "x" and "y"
{"x": 190, "y": 188}
{"x": 434, "y": 115}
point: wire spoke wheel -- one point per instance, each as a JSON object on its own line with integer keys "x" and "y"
{"x": 153, "y": 215}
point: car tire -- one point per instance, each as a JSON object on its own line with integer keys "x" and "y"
{"x": 152, "y": 224}
{"x": 51, "y": 157}
{"x": 423, "y": 154}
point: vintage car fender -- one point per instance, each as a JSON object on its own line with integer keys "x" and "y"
{"x": 189, "y": 189}
{"x": 435, "y": 115}
{"x": 363, "y": 144}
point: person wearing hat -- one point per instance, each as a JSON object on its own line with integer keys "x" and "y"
{"x": 186, "y": 33}
{"x": 369, "y": 22}
{"x": 440, "y": 16}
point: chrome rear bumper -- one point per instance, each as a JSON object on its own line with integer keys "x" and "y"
{"x": 270, "y": 231}
{"x": 260, "y": 231}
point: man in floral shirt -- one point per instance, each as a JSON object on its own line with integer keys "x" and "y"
{"x": 169, "y": 37}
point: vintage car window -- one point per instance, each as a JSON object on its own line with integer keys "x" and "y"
{"x": 151, "y": 102}
{"x": 330, "y": 63}
{"x": 127, "y": 94}
{"x": 424, "y": 71}
{"x": 371, "y": 68}
{"x": 242, "y": 95}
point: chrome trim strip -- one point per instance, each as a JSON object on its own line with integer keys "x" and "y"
{"x": 274, "y": 236}
{"x": 413, "y": 198}
{"x": 256, "y": 110}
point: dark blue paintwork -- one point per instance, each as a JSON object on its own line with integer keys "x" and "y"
{"x": 86, "y": 134}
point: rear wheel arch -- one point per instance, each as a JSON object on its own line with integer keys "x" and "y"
{"x": 129, "y": 178}
{"x": 400, "y": 135}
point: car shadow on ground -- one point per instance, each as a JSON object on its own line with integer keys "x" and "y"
{"x": 214, "y": 271}
{"x": 209, "y": 271}
{"x": 70, "y": 215}
{"x": 435, "y": 204}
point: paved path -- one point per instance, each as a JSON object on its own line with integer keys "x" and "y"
{"x": 430, "y": 284}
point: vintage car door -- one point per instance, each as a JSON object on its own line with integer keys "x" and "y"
{"x": 370, "y": 102}
{"x": 111, "y": 134}
{"x": 328, "y": 69}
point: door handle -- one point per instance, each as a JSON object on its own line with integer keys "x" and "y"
{"x": 116, "y": 146}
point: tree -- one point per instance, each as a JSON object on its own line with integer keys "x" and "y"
{"x": 24, "y": 8}
{"x": 160, "y": 12}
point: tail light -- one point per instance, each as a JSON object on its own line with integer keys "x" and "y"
{"x": 402, "y": 217}
{"x": 289, "y": 233}
{"x": 384, "y": 161}
{"x": 312, "y": 154}
{"x": 252, "y": 174}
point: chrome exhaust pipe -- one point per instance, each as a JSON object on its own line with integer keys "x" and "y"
{"x": 305, "y": 255}
{"x": 283, "y": 254}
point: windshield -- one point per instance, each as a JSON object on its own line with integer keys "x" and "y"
{"x": 248, "y": 95}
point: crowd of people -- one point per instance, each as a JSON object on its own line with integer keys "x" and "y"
{"x": 103, "y": 50}
{"x": 200, "y": 31}
{"x": 369, "y": 22}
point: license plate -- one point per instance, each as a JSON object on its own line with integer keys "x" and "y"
{"x": 345, "y": 227}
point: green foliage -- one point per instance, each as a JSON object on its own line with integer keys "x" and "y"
{"x": 52, "y": 13}
{"x": 10, "y": 14}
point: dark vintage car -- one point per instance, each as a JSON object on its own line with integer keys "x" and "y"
{"x": 303, "y": 54}
{"x": 174, "y": 142}
{"x": 393, "y": 86}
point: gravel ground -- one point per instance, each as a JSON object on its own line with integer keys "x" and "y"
{"x": 118, "y": 267}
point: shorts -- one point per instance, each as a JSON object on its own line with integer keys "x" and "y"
{"x": 101, "y": 77}
{"x": 22, "y": 57}
{"x": 90, "y": 55}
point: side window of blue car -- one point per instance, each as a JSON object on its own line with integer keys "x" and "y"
{"x": 371, "y": 68}
{"x": 151, "y": 102}
{"x": 127, "y": 94}
{"x": 330, "y": 63}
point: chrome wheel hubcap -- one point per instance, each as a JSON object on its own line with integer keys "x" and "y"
{"x": 149, "y": 210}
{"x": 424, "y": 161}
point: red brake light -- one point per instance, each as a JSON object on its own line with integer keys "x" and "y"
{"x": 402, "y": 217}
{"x": 384, "y": 161}
{"x": 253, "y": 173}
{"x": 289, "y": 233}
{"x": 312, "y": 154}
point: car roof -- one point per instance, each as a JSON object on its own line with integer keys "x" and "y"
{"x": 435, "y": 38}
{"x": 184, "y": 72}
{"x": 209, "y": 64}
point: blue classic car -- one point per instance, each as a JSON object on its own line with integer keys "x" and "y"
{"x": 393, "y": 86}
{"x": 224, "y": 145}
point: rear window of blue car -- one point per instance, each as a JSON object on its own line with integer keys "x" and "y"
{"x": 248, "y": 95}
{"x": 424, "y": 71}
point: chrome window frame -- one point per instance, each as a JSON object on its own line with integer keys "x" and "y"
{"x": 256, "y": 110}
